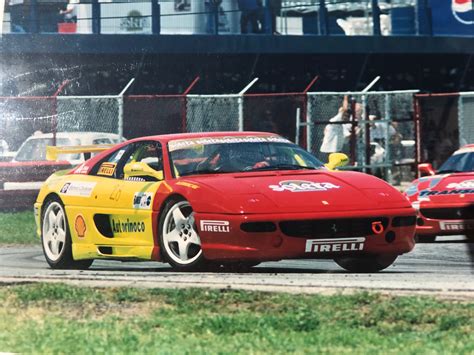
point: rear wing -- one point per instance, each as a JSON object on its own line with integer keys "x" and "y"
{"x": 52, "y": 152}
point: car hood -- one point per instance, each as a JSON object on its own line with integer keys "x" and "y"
{"x": 443, "y": 188}
{"x": 280, "y": 192}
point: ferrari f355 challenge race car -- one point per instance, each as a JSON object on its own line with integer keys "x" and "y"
{"x": 445, "y": 198}
{"x": 219, "y": 198}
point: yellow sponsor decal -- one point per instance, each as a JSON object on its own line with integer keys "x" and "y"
{"x": 107, "y": 169}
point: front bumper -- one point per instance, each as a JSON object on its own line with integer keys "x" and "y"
{"x": 222, "y": 237}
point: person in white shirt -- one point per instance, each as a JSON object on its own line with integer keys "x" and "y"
{"x": 336, "y": 135}
{"x": 70, "y": 14}
{"x": 378, "y": 130}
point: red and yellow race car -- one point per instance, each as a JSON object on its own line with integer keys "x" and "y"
{"x": 221, "y": 198}
{"x": 445, "y": 198}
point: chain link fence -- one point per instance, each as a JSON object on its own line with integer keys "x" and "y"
{"x": 88, "y": 114}
{"x": 379, "y": 130}
{"x": 274, "y": 113}
{"x": 22, "y": 116}
{"x": 441, "y": 126}
{"x": 466, "y": 118}
{"x": 154, "y": 114}
{"x": 376, "y": 130}
{"x": 208, "y": 113}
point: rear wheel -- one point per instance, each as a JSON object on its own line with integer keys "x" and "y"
{"x": 179, "y": 239}
{"x": 366, "y": 263}
{"x": 56, "y": 238}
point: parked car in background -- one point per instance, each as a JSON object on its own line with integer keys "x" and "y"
{"x": 21, "y": 178}
{"x": 445, "y": 198}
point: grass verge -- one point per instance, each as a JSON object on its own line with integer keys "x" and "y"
{"x": 18, "y": 228}
{"x": 55, "y": 318}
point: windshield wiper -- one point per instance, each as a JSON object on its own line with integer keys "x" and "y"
{"x": 284, "y": 167}
{"x": 205, "y": 171}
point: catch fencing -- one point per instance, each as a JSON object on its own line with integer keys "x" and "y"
{"x": 376, "y": 129}
{"x": 389, "y": 132}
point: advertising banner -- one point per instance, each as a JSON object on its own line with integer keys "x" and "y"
{"x": 452, "y": 17}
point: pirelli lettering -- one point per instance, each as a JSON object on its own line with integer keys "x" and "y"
{"x": 107, "y": 169}
{"x": 334, "y": 245}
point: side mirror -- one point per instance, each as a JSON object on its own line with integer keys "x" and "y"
{"x": 336, "y": 160}
{"x": 426, "y": 169}
{"x": 141, "y": 169}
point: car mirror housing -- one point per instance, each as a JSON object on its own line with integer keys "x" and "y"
{"x": 337, "y": 160}
{"x": 426, "y": 169}
{"x": 141, "y": 169}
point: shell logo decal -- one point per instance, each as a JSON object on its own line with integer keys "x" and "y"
{"x": 80, "y": 226}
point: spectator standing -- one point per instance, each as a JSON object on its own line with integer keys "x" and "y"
{"x": 336, "y": 132}
{"x": 250, "y": 15}
{"x": 70, "y": 13}
{"x": 378, "y": 130}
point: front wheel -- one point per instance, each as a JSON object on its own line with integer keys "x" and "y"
{"x": 56, "y": 238}
{"x": 179, "y": 239}
{"x": 366, "y": 264}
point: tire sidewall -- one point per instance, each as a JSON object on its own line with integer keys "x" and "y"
{"x": 199, "y": 262}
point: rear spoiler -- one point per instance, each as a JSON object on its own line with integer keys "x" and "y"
{"x": 52, "y": 152}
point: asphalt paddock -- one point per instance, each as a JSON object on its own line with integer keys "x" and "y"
{"x": 442, "y": 270}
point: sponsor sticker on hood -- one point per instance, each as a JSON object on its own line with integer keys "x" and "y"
{"x": 302, "y": 186}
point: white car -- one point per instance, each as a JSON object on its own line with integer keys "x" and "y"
{"x": 34, "y": 148}
{"x": 29, "y": 167}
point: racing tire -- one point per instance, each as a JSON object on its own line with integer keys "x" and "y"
{"x": 56, "y": 237}
{"x": 179, "y": 239}
{"x": 366, "y": 264}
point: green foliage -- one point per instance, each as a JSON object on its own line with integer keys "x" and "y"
{"x": 56, "y": 318}
{"x": 18, "y": 228}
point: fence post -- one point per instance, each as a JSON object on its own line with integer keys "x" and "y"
{"x": 388, "y": 158}
{"x": 96, "y": 17}
{"x": 376, "y": 18}
{"x": 155, "y": 17}
{"x": 55, "y": 113}
{"x": 34, "y": 25}
{"x": 322, "y": 16}
{"x": 241, "y": 103}
{"x": 120, "y": 107}
{"x": 184, "y": 111}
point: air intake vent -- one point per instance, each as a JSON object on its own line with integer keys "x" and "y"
{"x": 404, "y": 221}
{"x": 449, "y": 213}
{"x": 102, "y": 223}
{"x": 258, "y": 227}
{"x": 332, "y": 228}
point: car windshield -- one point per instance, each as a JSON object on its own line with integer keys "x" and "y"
{"x": 35, "y": 149}
{"x": 463, "y": 162}
{"x": 238, "y": 154}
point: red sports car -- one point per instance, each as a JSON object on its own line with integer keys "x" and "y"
{"x": 445, "y": 198}
{"x": 220, "y": 198}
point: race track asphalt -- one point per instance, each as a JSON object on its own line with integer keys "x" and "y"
{"x": 443, "y": 270}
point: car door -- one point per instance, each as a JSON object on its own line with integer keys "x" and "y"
{"x": 124, "y": 204}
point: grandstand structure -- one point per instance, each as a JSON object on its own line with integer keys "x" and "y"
{"x": 413, "y": 44}
{"x": 164, "y": 45}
